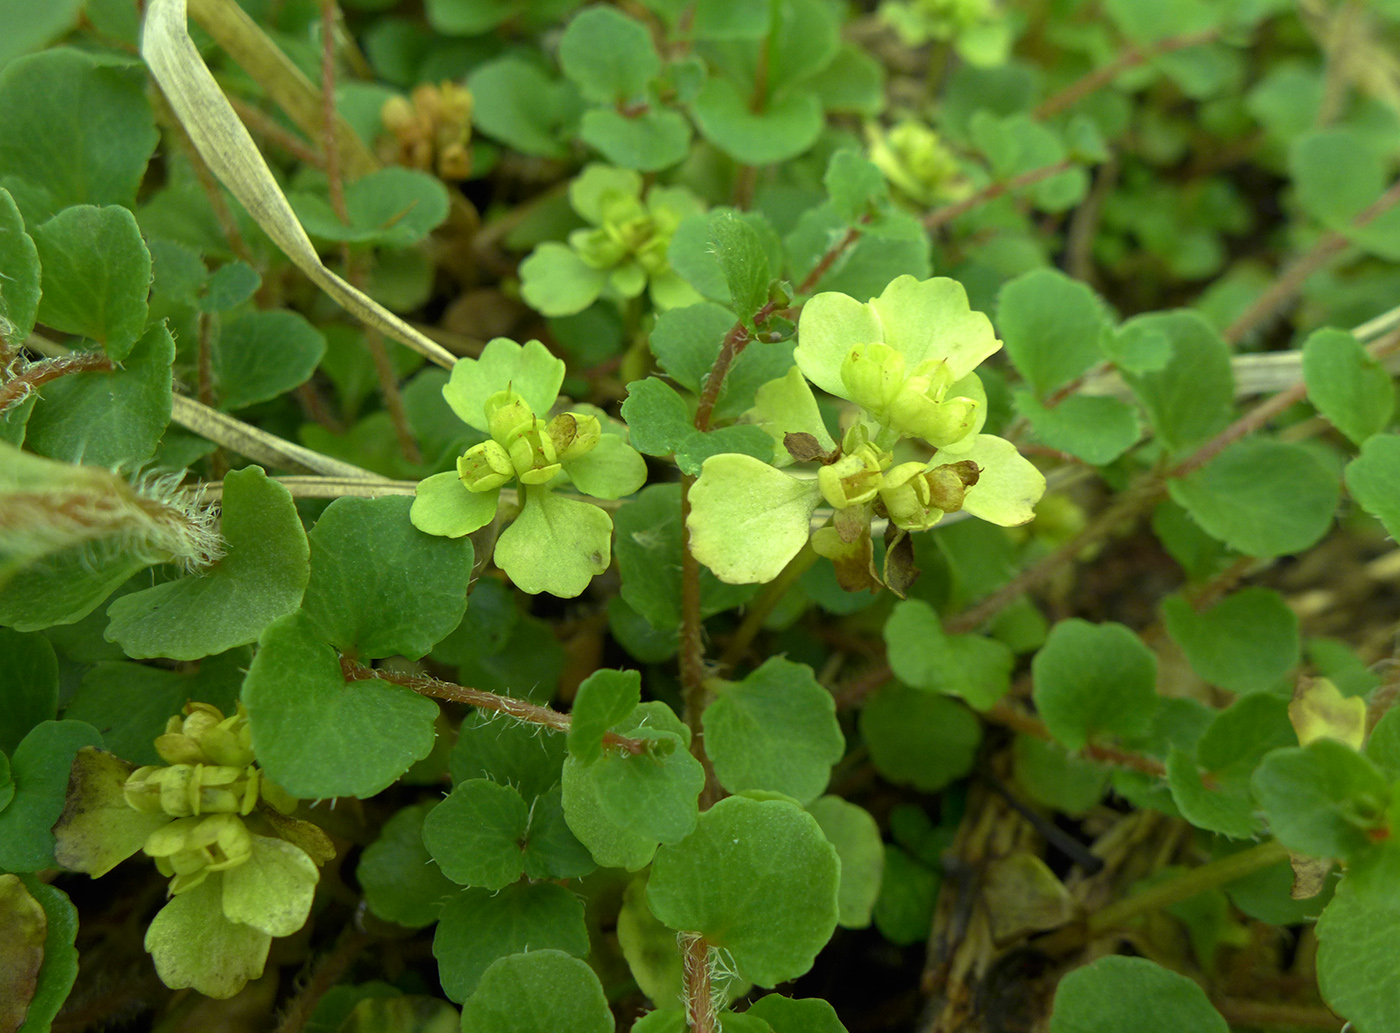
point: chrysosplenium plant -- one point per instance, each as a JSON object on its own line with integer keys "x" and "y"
{"x": 905, "y": 362}
{"x": 382, "y": 684}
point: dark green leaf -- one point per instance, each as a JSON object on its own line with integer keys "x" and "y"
{"x": 75, "y": 128}
{"x": 1349, "y": 387}
{"x": 545, "y": 991}
{"x": 400, "y": 880}
{"x": 260, "y": 355}
{"x": 379, "y": 586}
{"x": 918, "y": 738}
{"x": 19, "y": 264}
{"x": 478, "y": 927}
{"x": 687, "y": 340}
{"x": 519, "y": 105}
{"x": 1092, "y": 680}
{"x": 971, "y": 666}
{"x": 1095, "y": 429}
{"x": 1245, "y": 643}
{"x": 318, "y": 736}
{"x": 652, "y": 140}
{"x": 393, "y": 207}
{"x": 1357, "y": 949}
{"x": 739, "y": 251}
{"x": 758, "y": 879}
{"x": 856, "y": 837}
{"x": 1373, "y": 479}
{"x": 261, "y": 577}
{"x": 661, "y": 425}
{"x": 28, "y": 685}
{"x": 108, "y": 418}
{"x": 1191, "y": 397}
{"x": 1116, "y": 994}
{"x": 608, "y": 55}
{"x": 1322, "y": 799}
{"x": 782, "y": 130}
{"x": 231, "y": 285}
{"x": 857, "y": 188}
{"x": 1051, "y": 327}
{"x": 39, "y": 767}
{"x": 1263, "y": 498}
{"x": 476, "y": 834}
{"x": 908, "y": 894}
{"x": 604, "y": 698}
{"x": 775, "y": 731}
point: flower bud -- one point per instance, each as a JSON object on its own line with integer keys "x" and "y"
{"x": 916, "y": 497}
{"x": 506, "y": 413}
{"x": 573, "y": 435}
{"x": 873, "y": 375}
{"x": 190, "y": 848}
{"x": 855, "y": 477}
{"x": 532, "y": 454}
{"x": 598, "y": 248}
{"x": 485, "y": 467}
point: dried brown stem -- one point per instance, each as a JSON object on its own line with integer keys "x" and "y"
{"x": 259, "y": 123}
{"x": 1130, "y": 58}
{"x": 330, "y": 148}
{"x": 521, "y": 710}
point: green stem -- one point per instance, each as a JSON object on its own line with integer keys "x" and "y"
{"x": 1207, "y": 877}
{"x": 760, "y": 609}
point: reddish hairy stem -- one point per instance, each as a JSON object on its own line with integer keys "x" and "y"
{"x": 699, "y": 1005}
{"x": 940, "y": 217}
{"x": 39, "y": 373}
{"x": 1130, "y": 58}
{"x": 520, "y": 709}
{"x": 1292, "y": 279}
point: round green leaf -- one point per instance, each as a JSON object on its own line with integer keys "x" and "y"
{"x": 1322, "y": 799}
{"x": 479, "y": 927}
{"x": 650, "y": 141}
{"x": 400, "y": 880}
{"x": 1373, "y": 479}
{"x": 1095, "y": 429}
{"x": 856, "y": 837}
{"x": 521, "y": 106}
{"x": 919, "y": 739}
{"x": 611, "y": 844}
{"x": 756, "y": 878}
{"x": 610, "y": 56}
{"x": 611, "y": 470}
{"x": 1094, "y": 679}
{"x": 76, "y": 125}
{"x": 1349, "y": 387}
{"x": 477, "y": 834}
{"x": 261, "y": 577}
{"x": 1192, "y": 396}
{"x": 1116, "y": 994}
{"x": 1357, "y": 950}
{"x": 318, "y": 736}
{"x": 381, "y": 587}
{"x": 510, "y": 752}
{"x": 1246, "y": 642}
{"x": 603, "y": 699}
{"x": 782, "y": 130}
{"x": 1050, "y": 325}
{"x": 111, "y": 419}
{"x": 651, "y": 794}
{"x": 747, "y": 520}
{"x": 391, "y": 207}
{"x": 1264, "y": 498}
{"x": 796, "y": 1014}
{"x": 776, "y": 730}
{"x": 260, "y": 355}
{"x": 541, "y": 992}
{"x": 97, "y": 273}
{"x": 976, "y": 668}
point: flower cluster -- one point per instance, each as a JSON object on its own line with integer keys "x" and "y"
{"x": 917, "y": 163}
{"x": 906, "y": 361}
{"x": 556, "y": 544}
{"x": 621, "y": 253}
{"x": 241, "y": 869}
{"x": 978, "y": 31}
{"x": 430, "y": 130}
